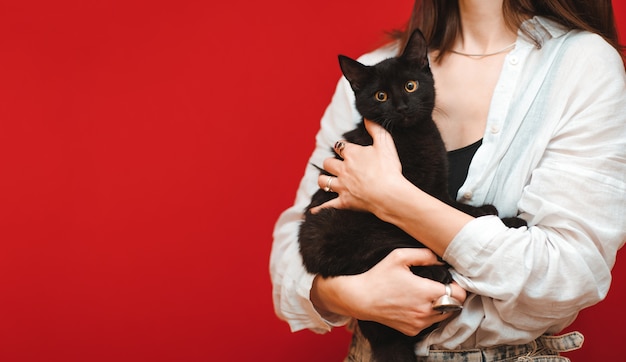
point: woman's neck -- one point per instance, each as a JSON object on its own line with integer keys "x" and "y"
{"x": 484, "y": 29}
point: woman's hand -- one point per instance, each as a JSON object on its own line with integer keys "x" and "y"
{"x": 366, "y": 174}
{"x": 389, "y": 293}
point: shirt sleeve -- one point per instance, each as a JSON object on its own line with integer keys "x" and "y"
{"x": 575, "y": 203}
{"x": 291, "y": 282}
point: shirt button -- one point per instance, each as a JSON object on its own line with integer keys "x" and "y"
{"x": 513, "y": 60}
{"x": 468, "y": 195}
{"x": 495, "y": 129}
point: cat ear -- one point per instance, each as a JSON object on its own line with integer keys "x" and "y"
{"x": 354, "y": 71}
{"x": 416, "y": 49}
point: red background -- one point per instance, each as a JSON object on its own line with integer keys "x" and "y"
{"x": 146, "y": 150}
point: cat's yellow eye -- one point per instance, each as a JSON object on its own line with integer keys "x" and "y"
{"x": 410, "y": 86}
{"x": 381, "y": 96}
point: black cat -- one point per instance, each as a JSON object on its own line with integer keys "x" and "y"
{"x": 398, "y": 93}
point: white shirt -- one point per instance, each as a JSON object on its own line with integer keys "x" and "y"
{"x": 554, "y": 152}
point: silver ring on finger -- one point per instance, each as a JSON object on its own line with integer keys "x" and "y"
{"x": 328, "y": 187}
{"x": 447, "y": 303}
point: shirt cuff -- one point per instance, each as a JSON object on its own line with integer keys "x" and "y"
{"x": 322, "y": 322}
{"x": 473, "y": 243}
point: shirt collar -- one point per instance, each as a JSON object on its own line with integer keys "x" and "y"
{"x": 542, "y": 29}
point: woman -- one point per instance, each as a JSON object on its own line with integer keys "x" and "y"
{"x": 533, "y": 93}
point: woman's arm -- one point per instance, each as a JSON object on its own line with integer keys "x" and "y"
{"x": 389, "y": 293}
{"x": 370, "y": 178}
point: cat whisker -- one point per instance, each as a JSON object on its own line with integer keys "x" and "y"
{"x": 388, "y": 125}
{"x": 440, "y": 111}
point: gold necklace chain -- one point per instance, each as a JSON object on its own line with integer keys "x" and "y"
{"x": 480, "y": 56}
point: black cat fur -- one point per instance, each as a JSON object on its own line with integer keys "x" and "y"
{"x": 337, "y": 242}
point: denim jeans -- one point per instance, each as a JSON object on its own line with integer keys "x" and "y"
{"x": 543, "y": 349}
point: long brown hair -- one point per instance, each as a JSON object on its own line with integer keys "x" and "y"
{"x": 440, "y": 21}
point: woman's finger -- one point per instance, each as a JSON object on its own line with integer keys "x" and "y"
{"x": 334, "y": 203}
{"x": 379, "y": 134}
{"x": 332, "y": 165}
{"x": 415, "y": 256}
{"x": 327, "y": 183}
{"x": 439, "y": 316}
{"x": 339, "y": 147}
{"x": 452, "y": 293}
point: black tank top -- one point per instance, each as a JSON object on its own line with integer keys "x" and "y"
{"x": 458, "y": 165}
